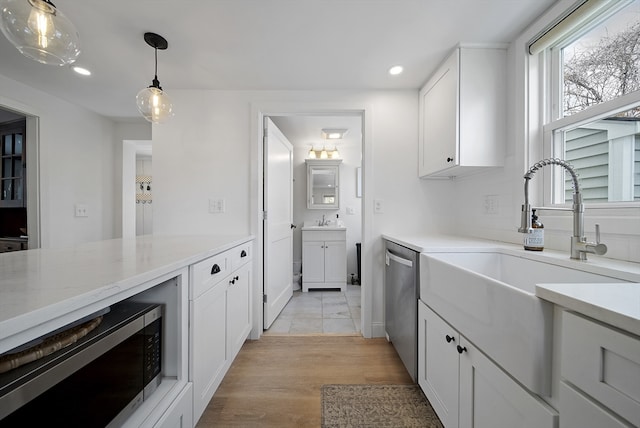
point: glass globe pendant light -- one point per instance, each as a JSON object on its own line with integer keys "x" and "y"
{"x": 153, "y": 102}
{"x": 39, "y": 31}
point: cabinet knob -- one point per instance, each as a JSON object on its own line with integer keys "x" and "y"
{"x": 461, "y": 349}
{"x": 215, "y": 269}
{"x": 449, "y": 159}
{"x": 243, "y": 253}
{"x": 450, "y": 338}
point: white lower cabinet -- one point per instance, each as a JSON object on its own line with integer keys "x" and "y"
{"x": 465, "y": 388}
{"x": 220, "y": 321}
{"x": 600, "y": 372}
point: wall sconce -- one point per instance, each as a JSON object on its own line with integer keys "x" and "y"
{"x": 39, "y": 31}
{"x": 154, "y": 104}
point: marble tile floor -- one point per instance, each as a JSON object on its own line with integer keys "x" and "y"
{"x": 320, "y": 312}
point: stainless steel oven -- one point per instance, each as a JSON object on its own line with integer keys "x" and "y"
{"x": 98, "y": 381}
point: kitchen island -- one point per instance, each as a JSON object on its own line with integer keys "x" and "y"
{"x": 45, "y": 289}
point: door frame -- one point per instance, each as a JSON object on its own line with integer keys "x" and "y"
{"x": 258, "y": 112}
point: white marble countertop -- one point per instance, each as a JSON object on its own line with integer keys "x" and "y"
{"x": 39, "y": 285}
{"x": 617, "y": 304}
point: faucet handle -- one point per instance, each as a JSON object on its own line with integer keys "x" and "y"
{"x": 597, "y": 233}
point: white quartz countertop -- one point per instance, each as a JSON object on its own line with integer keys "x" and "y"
{"x": 39, "y": 285}
{"x": 617, "y": 304}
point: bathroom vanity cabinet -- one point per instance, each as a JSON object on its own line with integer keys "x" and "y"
{"x": 324, "y": 258}
{"x": 466, "y": 388}
{"x": 456, "y": 137}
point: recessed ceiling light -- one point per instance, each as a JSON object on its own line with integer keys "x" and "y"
{"x": 82, "y": 71}
{"x": 395, "y": 70}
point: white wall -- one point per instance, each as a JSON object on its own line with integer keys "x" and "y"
{"x": 620, "y": 229}
{"x": 77, "y": 164}
{"x": 206, "y": 151}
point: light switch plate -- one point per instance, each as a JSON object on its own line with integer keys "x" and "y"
{"x": 216, "y": 206}
{"x": 82, "y": 210}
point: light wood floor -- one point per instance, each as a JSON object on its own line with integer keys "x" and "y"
{"x": 275, "y": 381}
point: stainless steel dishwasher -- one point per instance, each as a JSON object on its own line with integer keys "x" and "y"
{"x": 401, "y": 302}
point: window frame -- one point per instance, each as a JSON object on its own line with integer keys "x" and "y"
{"x": 550, "y": 78}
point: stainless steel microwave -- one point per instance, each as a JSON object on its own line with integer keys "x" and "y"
{"x": 98, "y": 381}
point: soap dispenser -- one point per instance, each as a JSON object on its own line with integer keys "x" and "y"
{"x": 534, "y": 241}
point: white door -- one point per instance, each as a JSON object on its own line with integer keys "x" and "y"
{"x": 278, "y": 233}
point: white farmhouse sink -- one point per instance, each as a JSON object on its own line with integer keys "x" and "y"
{"x": 489, "y": 297}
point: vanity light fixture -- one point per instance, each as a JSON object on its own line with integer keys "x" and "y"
{"x": 312, "y": 153}
{"x": 333, "y": 134}
{"x": 153, "y": 102}
{"x": 324, "y": 153}
{"x": 39, "y": 31}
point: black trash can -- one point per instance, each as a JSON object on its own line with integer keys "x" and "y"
{"x": 358, "y": 261}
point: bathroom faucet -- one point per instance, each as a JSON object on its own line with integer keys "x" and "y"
{"x": 579, "y": 245}
{"x": 322, "y": 222}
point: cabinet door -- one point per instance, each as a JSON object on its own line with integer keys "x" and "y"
{"x": 208, "y": 345}
{"x": 238, "y": 310}
{"x": 602, "y": 362}
{"x": 438, "y": 147}
{"x": 335, "y": 261}
{"x": 313, "y": 261}
{"x": 12, "y": 164}
{"x": 489, "y": 398}
{"x": 438, "y": 364}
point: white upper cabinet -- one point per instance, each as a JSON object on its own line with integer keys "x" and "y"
{"x": 463, "y": 114}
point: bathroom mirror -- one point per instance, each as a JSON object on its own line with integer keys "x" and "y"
{"x": 323, "y": 184}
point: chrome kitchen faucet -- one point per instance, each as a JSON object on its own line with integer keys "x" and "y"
{"x": 579, "y": 245}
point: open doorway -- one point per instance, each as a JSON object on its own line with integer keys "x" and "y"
{"x": 137, "y": 188}
{"x": 19, "y": 190}
{"x": 324, "y": 310}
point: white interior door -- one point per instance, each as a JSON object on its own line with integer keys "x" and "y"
{"x": 278, "y": 234}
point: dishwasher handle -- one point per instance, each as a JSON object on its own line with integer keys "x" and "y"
{"x": 398, "y": 259}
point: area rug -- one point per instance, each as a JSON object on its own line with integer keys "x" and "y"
{"x": 376, "y": 406}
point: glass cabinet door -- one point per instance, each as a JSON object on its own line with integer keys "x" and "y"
{"x": 12, "y": 166}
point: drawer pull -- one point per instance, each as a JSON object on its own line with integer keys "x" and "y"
{"x": 450, "y": 338}
{"x": 234, "y": 279}
{"x": 461, "y": 349}
{"x": 243, "y": 253}
{"x": 215, "y": 269}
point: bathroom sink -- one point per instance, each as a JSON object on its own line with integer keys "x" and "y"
{"x": 332, "y": 225}
{"x": 489, "y": 297}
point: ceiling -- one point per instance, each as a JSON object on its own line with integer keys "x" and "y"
{"x": 262, "y": 45}
{"x": 306, "y": 130}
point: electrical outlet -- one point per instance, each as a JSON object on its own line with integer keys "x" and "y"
{"x": 216, "y": 206}
{"x": 491, "y": 204}
{"x": 82, "y": 210}
{"x": 378, "y": 206}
